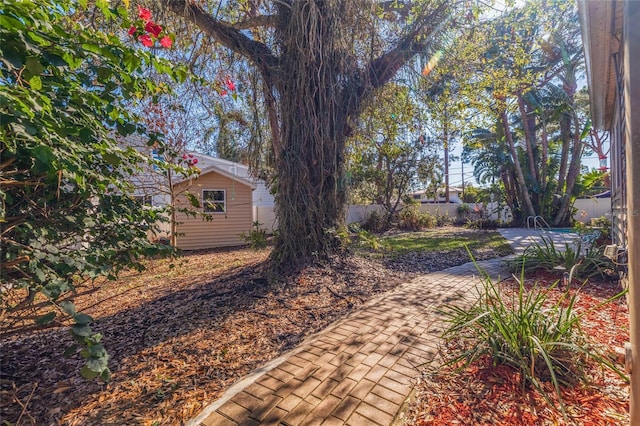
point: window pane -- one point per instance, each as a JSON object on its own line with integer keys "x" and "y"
{"x": 213, "y": 201}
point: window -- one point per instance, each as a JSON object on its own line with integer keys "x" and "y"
{"x": 214, "y": 201}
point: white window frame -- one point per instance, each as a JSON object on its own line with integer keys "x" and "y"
{"x": 223, "y": 202}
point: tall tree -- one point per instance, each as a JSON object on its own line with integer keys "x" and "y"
{"x": 318, "y": 61}
{"x": 387, "y": 149}
{"x": 524, "y": 87}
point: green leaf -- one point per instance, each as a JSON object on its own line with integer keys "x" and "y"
{"x": 68, "y": 307}
{"x": 44, "y": 154}
{"x": 195, "y": 202}
{"x": 88, "y": 373}
{"x": 81, "y": 318}
{"x": 71, "y": 350}
{"x": 35, "y": 82}
{"x": 106, "y": 375}
{"x": 34, "y": 66}
{"x": 82, "y": 330}
{"x": 97, "y": 364}
{"x": 46, "y": 318}
{"x": 112, "y": 159}
{"x": 9, "y": 23}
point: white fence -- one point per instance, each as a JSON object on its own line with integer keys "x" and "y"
{"x": 586, "y": 209}
{"x": 266, "y": 216}
{"x": 591, "y": 208}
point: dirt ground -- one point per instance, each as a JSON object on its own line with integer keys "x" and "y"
{"x": 180, "y": 333}
{"x": 183, "y": 331}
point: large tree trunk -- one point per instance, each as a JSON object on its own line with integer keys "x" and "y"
{"x": 526, "y": 200}
{"x": 311, "y": 190}
{"x": 563, "y": 216}
{"x": 314, "y": 85}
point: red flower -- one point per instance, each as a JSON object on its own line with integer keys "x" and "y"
{"x": 184, "y": 156}
{"x": 146, "y": 40}
{"x": 153, "y": 28}
{"x": 166, "y": 42}
{"x": 230, "y": 84}
{"x": 144, "y": 14}
{"x": 195, "y": 161}
{"x": 223, "y": 93}
{"x": 132, "y": 30}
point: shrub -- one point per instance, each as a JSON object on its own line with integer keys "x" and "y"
{"x": 366, "y": 239}
{"x": 545, "y": 256}
{"x": 580, "y": 228}
{"x": 542, "y": 340}
{"x": 375, "y": 222}
{"x": 257, "y": 237}
{"x": 463, "y": 209}
{"x": 412, "y": 219}
{"x": 603, "y": 224}
{"x": 442, "y": 219}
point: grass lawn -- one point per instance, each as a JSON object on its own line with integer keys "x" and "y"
{"x": 443, "y": 239}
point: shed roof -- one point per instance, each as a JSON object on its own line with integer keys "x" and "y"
{"x": 234, "y": 171}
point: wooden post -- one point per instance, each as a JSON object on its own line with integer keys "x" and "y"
{"x": 631, "y": 47}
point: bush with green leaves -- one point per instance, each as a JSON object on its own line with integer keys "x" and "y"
{"x": 442, "y": 219}
{"x": 67, "y": 213}
{"x": 588, "y": 262}
{"x": 412, "y": 219}
{"x": 366, "y": 239}
{"x": 463, "y": 210}
{"x": 257, "y": 237}
{"x": 375, "y": 222}
{"x": 539, "y": 338}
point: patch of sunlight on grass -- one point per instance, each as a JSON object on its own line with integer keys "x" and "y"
{"x": 425, "y": 241}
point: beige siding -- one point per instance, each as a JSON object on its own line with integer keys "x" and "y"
{"x": 225, "y": 228}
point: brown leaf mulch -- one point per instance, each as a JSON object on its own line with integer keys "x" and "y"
{"x": 484, "y": 394}
{"x": 180, "y": 333}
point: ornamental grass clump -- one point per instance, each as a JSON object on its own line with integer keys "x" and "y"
{"x": 540, "y": 338}
{"x": 588, "y": 262}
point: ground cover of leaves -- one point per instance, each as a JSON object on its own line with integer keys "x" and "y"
{"x": 484, "y": 394}
{"x": 178, "y": 336}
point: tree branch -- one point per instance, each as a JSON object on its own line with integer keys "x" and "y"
{"x": 226, "y": 35}
{"x": 383, "y": 68}
{"x": 256, "y": 21}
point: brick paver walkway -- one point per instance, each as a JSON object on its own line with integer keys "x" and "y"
{"x": 358, "y": 371}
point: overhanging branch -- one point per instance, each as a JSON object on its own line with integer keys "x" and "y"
{"x": 225, "y": 34}
{"x": 383, "y": 68}
{"x": 257, "y": 21}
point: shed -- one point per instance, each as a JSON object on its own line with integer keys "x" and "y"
{"x": 226, "y": 209}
